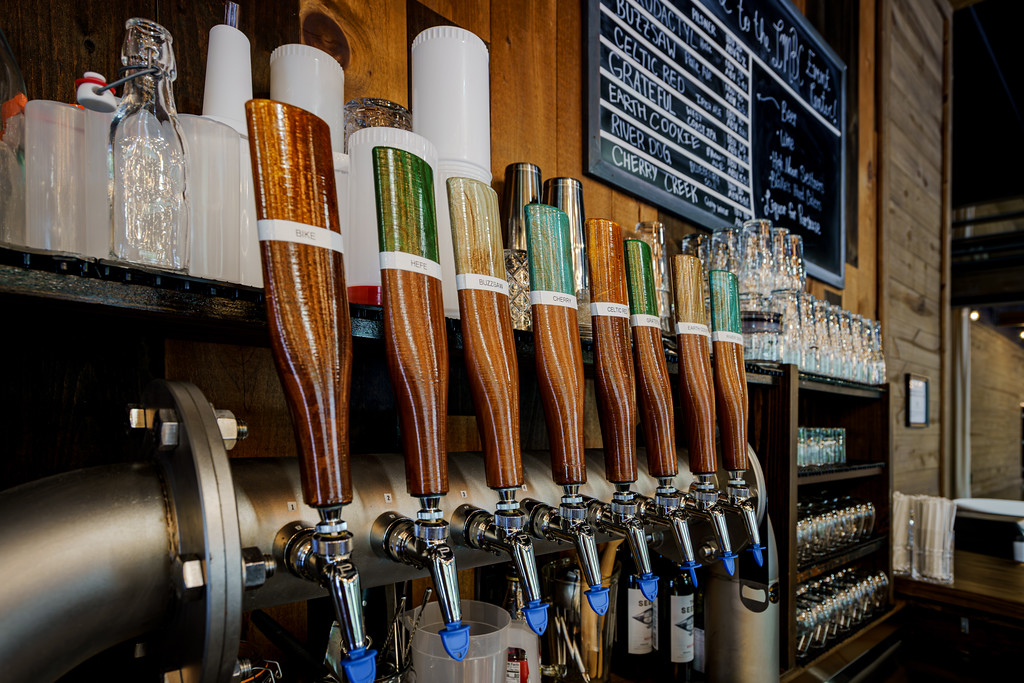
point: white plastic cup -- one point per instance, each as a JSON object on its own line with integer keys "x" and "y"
{"x": 228, "y": 77}
{"x": 96, "y": 242}
{"x": 213, "y": 170}
{"x": 54, "y": 186}
{"x": 342, "y": 165}
{"x": 486, "y": 658}
{"x": 451, "y": 94}
{"x": 306, "y": 77}
{"x": 362, "y": 249}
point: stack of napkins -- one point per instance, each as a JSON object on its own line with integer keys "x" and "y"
{"x": 922, "y": 537}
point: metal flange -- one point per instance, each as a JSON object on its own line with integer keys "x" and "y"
{"x": 202, "y": 637}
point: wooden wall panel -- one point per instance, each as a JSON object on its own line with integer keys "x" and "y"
{"x": 912, "y": 124}
{"x": 997, "y": 390}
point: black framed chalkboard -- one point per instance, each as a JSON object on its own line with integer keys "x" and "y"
{"x": 719, "y": 111}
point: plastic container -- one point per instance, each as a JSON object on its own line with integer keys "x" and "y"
{"x": 488, "y": 645}
{"x": 451, "y": 94}
{"x": 362, "y": 263}
{"x": 213, "y": 166}
{"x": 54, "y": 186}
{"x": 312, "y": 79}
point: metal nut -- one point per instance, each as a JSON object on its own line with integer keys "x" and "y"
{"x": 189, "y": 577}
{"x": 168, "y": 435}
{"x": 140, "y": 417}
{"x": 257, "y": 567}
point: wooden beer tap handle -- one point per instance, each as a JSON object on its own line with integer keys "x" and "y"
{"x": 613, "y": 368}
{"x": 416, "y": 345}
{"x": 556, "y": 337}
{"x": 696, "y": 386}
{"x": 487, "y": 327}
{"x": 656, "y": 409}
{"x": 304, "y": 276}
{"x": 730, "y": 375}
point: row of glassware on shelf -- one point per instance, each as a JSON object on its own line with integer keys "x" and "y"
{"x": 830, "y": 608}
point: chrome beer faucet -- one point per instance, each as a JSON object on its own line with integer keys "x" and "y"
{"x": 504, "y": 532}
{"x": 568, "y": 524}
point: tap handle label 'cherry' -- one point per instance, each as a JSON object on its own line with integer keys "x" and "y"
{"x": 556, "y": 337}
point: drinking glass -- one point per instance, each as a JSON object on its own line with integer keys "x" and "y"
{"x": 724, "y": 250}
{"x": 779, "y": 251}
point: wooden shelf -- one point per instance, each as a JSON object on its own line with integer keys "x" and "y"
{"x": 841, "y": 558}
{"x": 871, "y": 642}
{"x": 849, "y": 471}
{"x": 829, "y": 385}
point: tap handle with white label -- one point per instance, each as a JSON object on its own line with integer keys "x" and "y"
{"x": 304, "y": 275}
{"x": 693, "y": 341}
{"x": 655, "y": 390}
{"x": 730, "y": 375}
{"x": 415, "y": 341}
{"x": 614, "y": 382}
{"x": 487, "y": 327}
{"x": 556, "y": 339}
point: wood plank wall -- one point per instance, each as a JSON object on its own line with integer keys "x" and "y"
{"x": 997, "y": 390}
{"x": 913, "y": 84}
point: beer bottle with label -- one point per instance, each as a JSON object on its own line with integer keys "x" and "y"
{"x": 635, "y": 654}
{"x": 676, "y": 613}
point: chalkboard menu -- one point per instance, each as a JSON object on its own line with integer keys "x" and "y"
{"x": 720, "y": 111}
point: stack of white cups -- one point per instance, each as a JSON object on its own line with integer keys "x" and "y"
{"x": 451, "y": 108}
{"x": 228, "y": 88}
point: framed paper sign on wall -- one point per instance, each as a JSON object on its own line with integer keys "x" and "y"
{"x": 917, "y": 400}
{"x": 719, "y": 111}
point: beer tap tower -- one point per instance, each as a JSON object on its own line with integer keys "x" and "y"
{"x": 311, "y": 338}
{"x": 559, "y": 360}
{"x": 417, "y": 357}
{"x": 697, "y": 394}
{"x": 731, "y": 399}
{"x": 616, "y": 394}
{"x": 494, "y": 383}
{"x": 656, "y": 409}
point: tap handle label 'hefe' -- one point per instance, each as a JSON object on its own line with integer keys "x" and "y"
{"x": 486, "y": 322}
{"x": 300, "y": 246}
{"x": 730, "y": 375}
{"x": 558, "y": 356}
{"x": 414, "y": 326}
{"x": 696, "y": 385}
{"x": 614, "y": 381}
{"x": 657, "y": 410}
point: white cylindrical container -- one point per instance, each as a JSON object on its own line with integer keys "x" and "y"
{"x": 250, "y": 267}
{"x": 228, "y": 77}
{"x": 213, "y": 166}
{"x": 451, "y": 94}
{"x": 362, "y": 263}
{"x": 96, "y": 242}
{"x": 310, "y": 78}
{"x": 54, "y": 187}
{"x": 445, "y": 247}
{"x": 341, "y": 176}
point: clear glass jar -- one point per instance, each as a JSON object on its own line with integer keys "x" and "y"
{"x": 147, "y": 156}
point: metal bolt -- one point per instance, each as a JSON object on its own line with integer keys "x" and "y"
{"x": 168, "y": 436}
{"x": 140, "y": 418}
{"x": 257, "y": 567}
{"x": 189, "y": 577}
{"x": 232, "y": 430}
